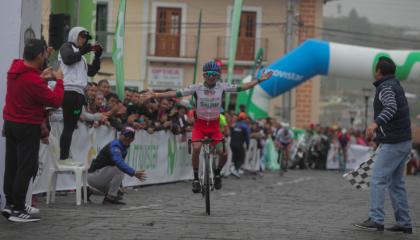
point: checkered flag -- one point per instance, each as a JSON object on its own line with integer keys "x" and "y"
{"x": 360, "y": 177}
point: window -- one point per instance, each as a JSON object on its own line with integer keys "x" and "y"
{"x": 168, "y": 32}
{"x": 101, "y": 24}
{"x": 247, "y": 33}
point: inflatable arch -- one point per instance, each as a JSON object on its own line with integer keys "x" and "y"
{"x": 316, "y": 57}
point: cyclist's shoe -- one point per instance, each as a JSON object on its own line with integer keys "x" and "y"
{"x": 196, "y": 186}
{"x": 217, "y": 181}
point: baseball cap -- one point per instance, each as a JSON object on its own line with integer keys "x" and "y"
{"x": 128, "y": 132}
{"x": 85, "y": 34}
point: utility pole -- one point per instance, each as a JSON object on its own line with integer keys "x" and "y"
{"x": 289, "y": 40}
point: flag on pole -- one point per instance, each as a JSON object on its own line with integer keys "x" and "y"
{"x": 236, "y": 20}
{"x": 118, "y": 50}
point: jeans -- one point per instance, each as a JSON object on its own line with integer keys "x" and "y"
{"x": 388, "y": 173}
{"x": 107, "y": 180}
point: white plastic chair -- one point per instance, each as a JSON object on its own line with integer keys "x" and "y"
{"x": 56, "y": 168}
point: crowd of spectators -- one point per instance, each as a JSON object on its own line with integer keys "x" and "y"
{"x": 106, "y": 108}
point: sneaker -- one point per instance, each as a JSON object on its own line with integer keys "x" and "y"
{"x": 120, "y": 194}
{"x": 7, "y": 211}
{"x": 218, "y": 181}
{"x": 23, "y": 216}
{"x": 398, "y": 228}
{"x": 370, "y": 225}
{"x": 31, "y": 210}
{"x": 70, "y": 162}
{"x": 196, "y": 186}
{"x": 112, "y": 200}
{"x": 235, "y": 173}
{"x": 240, "y": 171}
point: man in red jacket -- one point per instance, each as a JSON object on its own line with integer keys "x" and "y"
{"x": 24, "y": 111}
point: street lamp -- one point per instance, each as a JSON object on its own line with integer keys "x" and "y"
{"x": 352, "y": 116}
{"x": 366, "y": 93}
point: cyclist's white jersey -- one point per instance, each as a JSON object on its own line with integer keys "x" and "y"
{"x": 209, "y": 100}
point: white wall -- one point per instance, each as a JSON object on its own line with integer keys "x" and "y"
{"x": 12, "y": 47}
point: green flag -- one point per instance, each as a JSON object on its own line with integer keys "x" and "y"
{"x": 118, "y": 50}
{"x": 234, "y": 30}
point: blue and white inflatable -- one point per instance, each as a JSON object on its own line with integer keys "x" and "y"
{"x": 316, "y": 57}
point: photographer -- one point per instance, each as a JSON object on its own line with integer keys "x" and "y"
{"x": 107, "y": 170}
{"x": 76, "y": 72}
{"x": 27, "y": 96}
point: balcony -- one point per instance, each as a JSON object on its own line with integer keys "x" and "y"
{"x": 245, "y": 51}
{"x": 171, "y": 48}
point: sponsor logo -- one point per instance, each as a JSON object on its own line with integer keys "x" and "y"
{"x": 287, "y": 75}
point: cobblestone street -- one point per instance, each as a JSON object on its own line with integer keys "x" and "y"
{"x": 299, "y": 205}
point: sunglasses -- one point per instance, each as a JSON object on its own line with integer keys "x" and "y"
{"x": 212, "y": 73}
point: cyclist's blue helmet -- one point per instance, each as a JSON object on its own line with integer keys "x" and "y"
{"x": 211, "y": 66}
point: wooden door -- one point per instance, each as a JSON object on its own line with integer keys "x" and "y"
{"x": 168, "y": 29}
{"x": 246, "y": 40}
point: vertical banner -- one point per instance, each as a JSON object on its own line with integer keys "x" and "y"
{"x": 118, "y": 51}
{"x": 197, "y": 50}
{"x": 234, "y": 30}
{"x": 87, "y": 18}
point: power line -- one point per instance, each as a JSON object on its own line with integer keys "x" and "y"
{"x": 383, "y": 37}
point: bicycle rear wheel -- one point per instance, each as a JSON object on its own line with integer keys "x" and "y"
{"x": 206, "y": 187}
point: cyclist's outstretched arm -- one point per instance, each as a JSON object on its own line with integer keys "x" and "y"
{"x": 264, "y": 76}
{"x": 170, "y": 94}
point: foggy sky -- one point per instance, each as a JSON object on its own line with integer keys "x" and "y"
{"x": 402, "y": 13}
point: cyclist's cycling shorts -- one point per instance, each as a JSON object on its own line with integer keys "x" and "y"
{"x": 210, "y": 129}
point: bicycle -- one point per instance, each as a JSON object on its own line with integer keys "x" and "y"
{"x": 206, "y": 176}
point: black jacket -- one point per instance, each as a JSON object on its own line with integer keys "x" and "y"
{"x": 391, "y": 111}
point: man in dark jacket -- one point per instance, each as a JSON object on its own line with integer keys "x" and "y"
{"x": 239, "y": 134}
{"x": 26, "y": 98}
{"x": 107, "y": 170}
{"x": 393, "y": 132}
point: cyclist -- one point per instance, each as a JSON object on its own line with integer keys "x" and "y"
{"x": 209, "y": 101}
{"x": 284, "y": 140}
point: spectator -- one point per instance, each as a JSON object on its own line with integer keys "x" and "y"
{"x": 90, "y": 92}
{"x": 94, "y": 114}
{"x": 360, "y": 140}
{"x": 103, "y": 86}
{"x": 393, "y": 131}
{"x": 24, "y": 111}
{"x": 107, "y": 170}
{"x": 239, "y": 134}
{"x": 127, "y": 97}
{"x": 117, "y": 111}
{"x": 76, "y": 75}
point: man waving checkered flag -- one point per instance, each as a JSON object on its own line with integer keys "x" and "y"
{"x": 360, "y": 177}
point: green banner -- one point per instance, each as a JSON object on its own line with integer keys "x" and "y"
{"x": 87, "y": 19}
{"x": 118, "y": 50}
{"x": 234, "y": 30}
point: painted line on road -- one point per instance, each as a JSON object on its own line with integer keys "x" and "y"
{"x": 228, "y": 194}
{"x": 139, "y": 207}
{"x": 298, "y": 180}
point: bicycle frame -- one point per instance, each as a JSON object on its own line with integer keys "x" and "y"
{"x": 206, "y": 176}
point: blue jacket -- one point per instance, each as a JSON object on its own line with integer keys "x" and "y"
{"x": 391, "y": 111}
{"x": 113, "y": 154}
